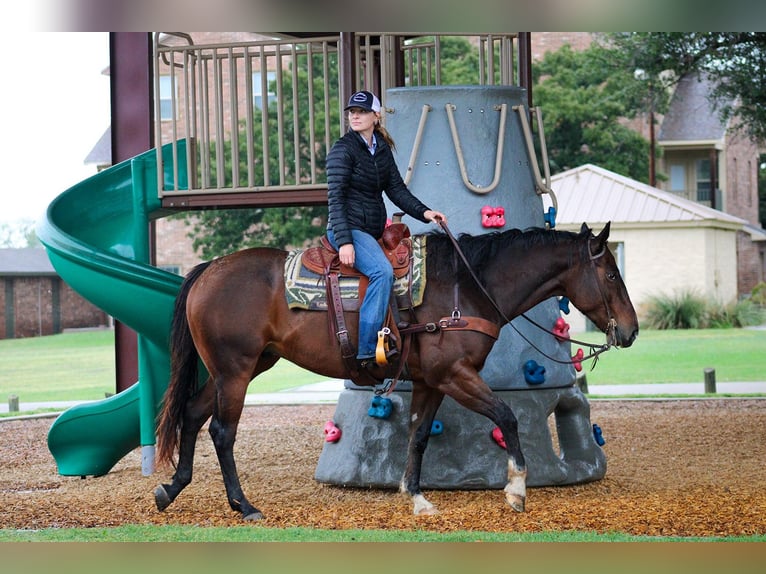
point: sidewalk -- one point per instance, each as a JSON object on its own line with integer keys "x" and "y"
{"x": 327, "y": 392}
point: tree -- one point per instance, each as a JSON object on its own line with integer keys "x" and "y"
{"x": 585, "y": 96}
{"x": 19, "y": 234}
{"x": 734, "y": 61}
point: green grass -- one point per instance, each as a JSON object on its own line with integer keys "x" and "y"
{"x": 70, "y": 366}
{"x": 680, "y": 356}
{"x": 80, "y": 366}
{"x": 171, "y": 533}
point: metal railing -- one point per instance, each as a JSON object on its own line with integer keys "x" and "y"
{"x": 261, "y": 115}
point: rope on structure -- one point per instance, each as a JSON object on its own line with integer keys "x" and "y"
{"x": 503, "y": 109}
{"x": 416, "y": 145}
{"x": 541, "y": 186}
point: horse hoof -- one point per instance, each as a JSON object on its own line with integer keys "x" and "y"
{"x": 516, "y": 502}
{"x": 253, "y": 516}
{"x": 161, "y": 498}
{"x": 427, "y": 511}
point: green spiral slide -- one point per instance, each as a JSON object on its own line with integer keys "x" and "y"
{"x": 97, "y": 238}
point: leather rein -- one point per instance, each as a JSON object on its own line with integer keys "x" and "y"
{"x": 596, "y": 350}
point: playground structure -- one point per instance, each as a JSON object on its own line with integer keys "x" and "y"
{"x": 97, "y": 237}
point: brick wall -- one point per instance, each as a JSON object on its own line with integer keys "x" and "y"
{"x": 35, "y": 306}
{"x": 174, "y": 246}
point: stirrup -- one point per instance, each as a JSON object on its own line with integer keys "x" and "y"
{"x": 386, "y": 347}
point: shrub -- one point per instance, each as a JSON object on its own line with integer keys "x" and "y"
{"x": 758, "y": 294}
{"x": 684, "y": 310}
{"x": 687, "y": 310}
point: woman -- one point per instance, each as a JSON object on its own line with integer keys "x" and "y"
{"x": 360, "y": 167}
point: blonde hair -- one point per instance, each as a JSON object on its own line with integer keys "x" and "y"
{"x": 385, "y": 135}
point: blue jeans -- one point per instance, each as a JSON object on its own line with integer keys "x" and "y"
{"x": 370, "y": 260}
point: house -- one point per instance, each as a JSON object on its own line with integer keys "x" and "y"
{"x": 711, "y": 163}
{"x": 663, "y": 243}
{"x": 35, "y": 301}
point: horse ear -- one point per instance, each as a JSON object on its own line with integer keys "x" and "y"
{"x": 584, "y": 229}
{"x": 605, "y": 232}
{"x": 602, "y": 237}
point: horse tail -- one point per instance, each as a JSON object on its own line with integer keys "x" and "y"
{"x": 183, "y": 374}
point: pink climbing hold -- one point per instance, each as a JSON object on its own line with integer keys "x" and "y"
{"x": 487, "y": 213}
{"x": 577, "y": 360}
{"x": 561, "y": 329}
{"x": 499, "y": 216}
{"x": 497, "y": 436}
{"x": 332, "y": 432}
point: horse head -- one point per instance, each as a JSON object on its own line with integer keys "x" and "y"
{"x": 598, "y": 290}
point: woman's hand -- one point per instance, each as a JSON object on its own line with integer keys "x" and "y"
{"x": 435, "y": 216}
{"x": 347, "y": 254}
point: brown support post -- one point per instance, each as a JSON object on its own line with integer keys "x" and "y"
{"x": 130, "y": 76}
{"x": 713, "y": 178}
{"x": 346, "y": 64}
{"x": 525, "y": 65}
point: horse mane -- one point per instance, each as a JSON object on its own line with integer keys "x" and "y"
{"x": 482, "y": 249}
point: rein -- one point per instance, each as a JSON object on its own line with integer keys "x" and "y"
{"x": 596, "y": 350}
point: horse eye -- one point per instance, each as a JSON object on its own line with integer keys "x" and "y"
{"x": 611, "y": 275}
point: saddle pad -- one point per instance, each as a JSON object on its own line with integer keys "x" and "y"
{"x": 304, "y": 289}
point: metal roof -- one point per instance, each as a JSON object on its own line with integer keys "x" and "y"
{"x": 595, "y": 195}
{"x": 25, "y": 261}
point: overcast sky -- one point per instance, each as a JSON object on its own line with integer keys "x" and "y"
{"x": 55, "y": 106}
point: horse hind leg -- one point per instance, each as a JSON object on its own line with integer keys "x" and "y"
{"x": 425, "y": 403}
{"x": 196, "y": 412}
{"x": 223, "y": 432}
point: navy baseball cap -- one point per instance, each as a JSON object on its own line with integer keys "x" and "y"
{"x": 364, "y": 100}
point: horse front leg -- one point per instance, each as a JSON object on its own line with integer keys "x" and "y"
{"x": 468, "y": 389}
{"x": 425, "y": 403}
{"x": 196, "y": 412}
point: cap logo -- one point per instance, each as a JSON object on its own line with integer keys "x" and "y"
{"x": 360, "y": 97}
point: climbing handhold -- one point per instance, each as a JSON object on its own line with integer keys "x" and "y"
{"x": 564, "y": 305}
{"x": 561, "y": 329}
{"x": 499, "y": 217}
{"x": 380, "y": 407}
{"x": 577, "y": 360}
{"x": 534, "y": 374}
{"x": 550, "y": 217}
{"x": 487, "y": 213}
{"x": 437, "y": 427}
{"x": 332, "y": 432}
{"x": 497, "y": 436}
{"x": 598, "y": 435}
{"x": 493, "y": 216}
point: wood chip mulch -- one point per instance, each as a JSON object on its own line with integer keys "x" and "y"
{"x": 674, "y": 468}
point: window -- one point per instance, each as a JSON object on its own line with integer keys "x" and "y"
{"x": 258, "y": 88}
{"x": 167, "y": 96}
{"x": 677, "y": 178}
{"x": 703, "y": 180}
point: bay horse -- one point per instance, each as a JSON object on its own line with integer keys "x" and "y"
{"x": 232, "y": 314}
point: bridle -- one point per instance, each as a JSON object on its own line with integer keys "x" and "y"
{"x": 596, "y": 350}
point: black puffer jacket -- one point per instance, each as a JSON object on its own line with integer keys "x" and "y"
{"x": 356, "y": 181}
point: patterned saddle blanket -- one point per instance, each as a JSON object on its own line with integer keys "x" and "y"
{"x": 306, "y": 289}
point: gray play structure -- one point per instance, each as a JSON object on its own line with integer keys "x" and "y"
{"x": 466, "y": 151}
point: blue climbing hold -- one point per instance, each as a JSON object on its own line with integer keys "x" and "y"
{"x": 380, "y": 407}
{"x": 550, "y": 217}
{"x": 564, "y": 305}
{"x": 436, "y": 427}
{"x": 534, "y": 374}
{"x": 598, "y": 435}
